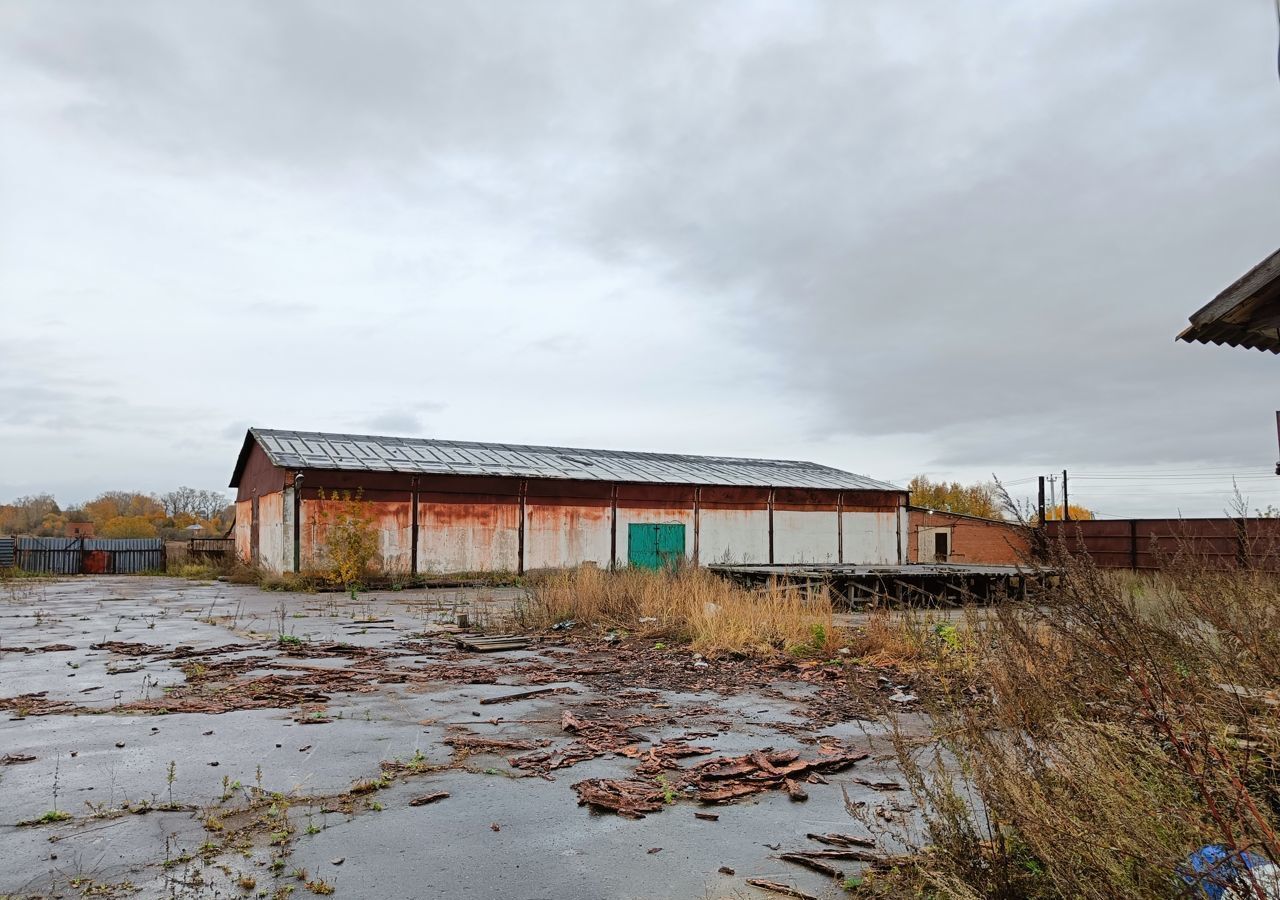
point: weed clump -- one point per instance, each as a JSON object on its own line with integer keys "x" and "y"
{"x": 1089, "y": 741}
{"x": 687, "y": 605}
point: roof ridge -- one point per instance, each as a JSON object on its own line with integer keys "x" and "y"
{"x": 292, "y": 449}
{"x": 329, "y": 435}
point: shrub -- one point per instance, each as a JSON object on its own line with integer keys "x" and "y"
{"x": 350, "y": 532}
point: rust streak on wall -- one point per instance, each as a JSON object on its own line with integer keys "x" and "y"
{"x": 697, "y": 525}
{"x": 613, "y": 528}
{"x": 840, "y": 527}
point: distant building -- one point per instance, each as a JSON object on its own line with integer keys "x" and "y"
{"x": 80, "y": 529}
{"x": 947, "y": 537}
{"x": 1247, "y": 314}
{"x": 449, "y": 506}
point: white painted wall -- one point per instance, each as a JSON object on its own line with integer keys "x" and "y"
{"x": 653, "y": 517}
{"x": 486, "y": 539}
{"x": 244, "y": 531}
{"x": 271, "y": 532}
{"x": 557, "y": 536}
{"x": 806, "y": 537}
{"x": 872, "y": 537}
{"x": 735, "y": 536}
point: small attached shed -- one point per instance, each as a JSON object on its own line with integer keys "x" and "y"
{"x": 947, "y": 537}
{"x": 453, "y": 506}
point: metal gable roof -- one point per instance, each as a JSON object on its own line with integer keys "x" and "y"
{"x": 369, "y": 453}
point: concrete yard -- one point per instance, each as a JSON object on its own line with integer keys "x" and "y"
{"x": 198, "y": 753}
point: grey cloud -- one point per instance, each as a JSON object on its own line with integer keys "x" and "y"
{"x": 973, "y": 226}
{"x": 396, "y": 423}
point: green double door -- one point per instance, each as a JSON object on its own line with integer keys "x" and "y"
{"x": 655, "y": 546}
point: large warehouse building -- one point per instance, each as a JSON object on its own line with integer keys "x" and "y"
{"x": 447, "y": 506}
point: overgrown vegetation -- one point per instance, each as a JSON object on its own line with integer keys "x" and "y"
{"x": 1089, "y": 742}
{"x": 350, "y": 538}
{"x": 685, "y": 605}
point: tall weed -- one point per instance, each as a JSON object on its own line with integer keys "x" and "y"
{"x": 1121, "y": 724}
{"x": 687, "y": 605}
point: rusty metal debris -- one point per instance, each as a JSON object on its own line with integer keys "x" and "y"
{"x": 720, "y": 780}
{"x": 603, "y": 736}
{"x": 428, "y": 798}
{"x": 36, "y": 704}
{"x": 486, "y": 644}
{"x": 47, "y": 648}
{"x": 879, "y": 785}
{"x": 809, "y": 862}
{"x": 522, "y": 695}
{"x": 481, "y": 744}
{"x": 776, "y": 887}
{"x": 13, "y": 759}
{"x": 841, "y": 840}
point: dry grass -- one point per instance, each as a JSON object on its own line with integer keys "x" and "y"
{"x": 689, "y": 606}
{"x": 1103, "y": 748}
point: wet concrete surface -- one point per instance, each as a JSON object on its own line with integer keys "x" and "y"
{"x": 202, "y": 804}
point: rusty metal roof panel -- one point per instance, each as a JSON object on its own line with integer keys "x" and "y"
{"x": 314, "y": 450}
{"x": 1247, "y": 314}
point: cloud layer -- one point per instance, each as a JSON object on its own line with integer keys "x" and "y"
{"x": 955, "y": 238}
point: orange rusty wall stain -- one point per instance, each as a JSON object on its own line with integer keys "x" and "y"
{"x": 558, "y": 536}
{"x": 243, "y": 530}
{"x": 468, "y": 537}
{"x": 392, "y": 521}
{"x": 271, "y": 537}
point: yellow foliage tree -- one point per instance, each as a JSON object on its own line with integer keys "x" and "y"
{"x": 128, "y": 527}
{"x": 1078, "y": 513}
{"x": 978, "y": 499}
{"x": 123, "y": 504}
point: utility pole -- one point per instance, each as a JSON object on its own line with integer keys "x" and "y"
{"x": 1066, "y": 508}
{"x": 1278, "y": 411}
{"x": 1053, "y": 493}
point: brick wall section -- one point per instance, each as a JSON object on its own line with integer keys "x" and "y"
{"x": 973, "y": 541}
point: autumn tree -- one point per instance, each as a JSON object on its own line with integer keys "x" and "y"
{"x": 189, "y": 501}
{"x": 128, "y": 527}
{"x": 37, "y": 514}
{"x": 979, "y": 499}
{"x": 112, "y": 504}
{"x": 1054, "y": 513}
{"x": 123, "y": 514}
{"x": 180, "y": 501}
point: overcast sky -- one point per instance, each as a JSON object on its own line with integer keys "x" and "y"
{"x": 897, "y": 238}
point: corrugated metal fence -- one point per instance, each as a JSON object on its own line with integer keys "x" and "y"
{"x": 90, "y": 556}
{"x": 7, "y": 550}
{"x": 1152, "y": 544}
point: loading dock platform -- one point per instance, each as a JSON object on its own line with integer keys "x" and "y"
{"x": 914, "y": 584}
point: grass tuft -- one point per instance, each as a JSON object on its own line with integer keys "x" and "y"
{"x": 688, "y": 606}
